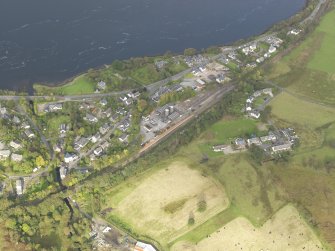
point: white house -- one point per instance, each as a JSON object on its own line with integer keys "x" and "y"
{"x": 4, "y": 154}
{"x": 141, "y": 246}
{"x": 98, "y": 151}
{"x": 272, "y": 49}
{"x": 123, "y": 137}
{"x": 54, "y": 107}
{"x": 29, "y": 134}
{"x": 16, "y": 157}
{"x": 91, "y": 118}
{"x": 19, "y": 186}
{"x": 16, "y": 145}
{"x": 281, "y": 148}
{"x": 220, "y": 148}
{"x": 255, "y": 114}
{"x": 254, "y": 141}
{"x": 70, "y": 157}
{"x": 101, "y": 85}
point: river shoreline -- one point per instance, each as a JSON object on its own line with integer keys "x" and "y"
{"x": 66, "y": 81}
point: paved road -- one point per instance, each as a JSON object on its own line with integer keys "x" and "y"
{"x": 314, "y": 13}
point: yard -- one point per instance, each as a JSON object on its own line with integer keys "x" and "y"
{"x": 160, "y": 205}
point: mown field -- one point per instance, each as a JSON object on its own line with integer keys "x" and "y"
{"x": 160, "y": 204}
{"x": 309, "y": 70}
{"x": 284, "y": 231}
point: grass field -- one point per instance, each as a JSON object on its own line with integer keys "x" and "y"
{"x": 297, "y": 111}
{"x": 286, "y": 230}
{"x": 309, "y": 69}
{"x": 161, "y": 205}
{"x": 80, "y": 85}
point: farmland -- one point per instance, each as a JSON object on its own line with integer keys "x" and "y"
{"x": 166, "y": 200}
{"x": 284, "y": 231}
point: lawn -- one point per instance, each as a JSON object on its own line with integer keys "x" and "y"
{"x": 228, "y": 129}
{"x": 309, "y": 69}
{"x": 159, "y": 205}
{"x": 80, "y": 85}
{"x": 284, "y": 231}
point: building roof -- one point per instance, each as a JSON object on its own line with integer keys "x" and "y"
{"x": 141, "y": 246}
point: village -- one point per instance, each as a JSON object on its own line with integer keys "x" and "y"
{"x": 79, "y": 136}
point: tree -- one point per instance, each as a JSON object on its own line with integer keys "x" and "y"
{"x": 142, "y": 105}
{"x": 190, "y": 52}
{"x": 40, "y": 161}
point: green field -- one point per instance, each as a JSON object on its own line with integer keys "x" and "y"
{"x": 80, "y": 85}
{"x": 309, "y": 69}
{"x": 297, "y": 111}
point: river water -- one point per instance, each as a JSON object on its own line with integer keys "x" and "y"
{"x": 51, "y": 40}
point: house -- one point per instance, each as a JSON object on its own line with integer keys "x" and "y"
{"x": 255, "y": 114}
{"x": 25, "y": 125}
{"x": 29, "y": 134}
{"x": 70, "y": 157}
{"x": 95, "y": 138}
{"x": 253, "y": 47}
{"x": 248, "y": 108}
{"x": 105, "y": 145}
{"x": 3, "y": 111}
{"x": 260, "y": 60}
{"x": 107, "y": 113}
{"x": 246, "y": 50}
{"x": 201, "y": 82}
{"x": 63, "y": 171}
{"x": 220, "y": 148}
{"x": 294, "y": 32}
{"x": 101, "y": 85}
{"x": 19, "y": 187}
{"x": 63, "y": 128}
{"x": 240, "y": 143}
{"x": 57, "y": 148}
{"x": 4, "y": 154}
{"x": 250, "y": 100}
{"x": 220, "y": 78}
{"x": 16, "y": 157}
{"x": 106, "y": 230}
{"x": 16, "y": 120}
{"x": 268, "y": 138}
{"x": 268, "y": 91}
{"x": 81, "y": 143}
{"x": 141, "y": 246}
{"x": 104, "y": 128}
{"x": 103, "y": 102}
{"x": 254, "y": 141}
{"x": 91, "y": 118}
{"x": 281, "y": 148}
{"x": 123, "y": 137}
{"x": 15, "y": 144}
{"x": 272, "y": 49}
{"x": 54, "y": 107}
{"x": 98, "y": 151}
